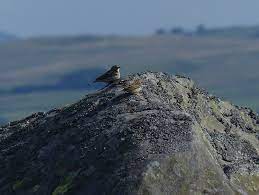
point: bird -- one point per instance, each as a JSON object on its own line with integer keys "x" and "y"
{"x": 110, "y": 76}
{"x": 133, "y": 87}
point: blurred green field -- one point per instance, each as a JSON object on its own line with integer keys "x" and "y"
{"x": 41, "y": 73}
{"x": 38, "y": 101}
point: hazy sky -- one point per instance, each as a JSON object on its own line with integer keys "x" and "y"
{"x": 41, "y": 17}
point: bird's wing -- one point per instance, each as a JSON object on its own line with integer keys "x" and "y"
{"x": 103, "y": 76}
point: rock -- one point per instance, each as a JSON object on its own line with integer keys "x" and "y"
{"x": 172, "y": 138}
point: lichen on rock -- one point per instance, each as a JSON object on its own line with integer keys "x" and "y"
{"x": 170, "y": 138}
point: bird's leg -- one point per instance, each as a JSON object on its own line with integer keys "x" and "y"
{"x": 104, "y": 87}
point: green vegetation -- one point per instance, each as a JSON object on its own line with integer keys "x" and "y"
{"x": 13, "y": 107}
{"x": 21, "y": 184}
{"x": 66, "y": 184}
{"x": 248, "y": 182}
{"x": 18, "y": 185}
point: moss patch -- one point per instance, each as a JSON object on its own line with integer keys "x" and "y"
{"x": 249, "y": 183}
{"x": 215, "y": 107}
{"x": 18, "y": 185}
{"x": 66, "y": 185}
{"x": 22, "y": 184}
{"x": 211, "y": 123}
{"x": 247, "y": 119}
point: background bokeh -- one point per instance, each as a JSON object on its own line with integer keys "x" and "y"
{"x": 51, "y": 51}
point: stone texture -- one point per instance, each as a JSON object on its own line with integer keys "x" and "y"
{"x": 172, "y": 138}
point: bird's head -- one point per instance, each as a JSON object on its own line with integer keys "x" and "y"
{"x": 115, "y": 67}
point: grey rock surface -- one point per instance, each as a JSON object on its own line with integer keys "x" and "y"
{"x": 172, "y": 138}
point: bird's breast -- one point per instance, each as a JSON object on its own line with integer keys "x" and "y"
{"x": 117, "y": 75}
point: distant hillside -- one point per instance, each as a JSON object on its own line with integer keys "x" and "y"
{"x": 41, "y": 73}
{"x": 251, "y": 32}
{"x": 2, "y": 121}
{"x": 4, "y": 37}
{"x": 235, "y": 31}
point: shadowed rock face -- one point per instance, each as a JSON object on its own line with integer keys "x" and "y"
{"x": 172, "y": 138}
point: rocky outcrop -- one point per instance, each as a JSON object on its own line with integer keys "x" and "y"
{"x": 172, "y": 138}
